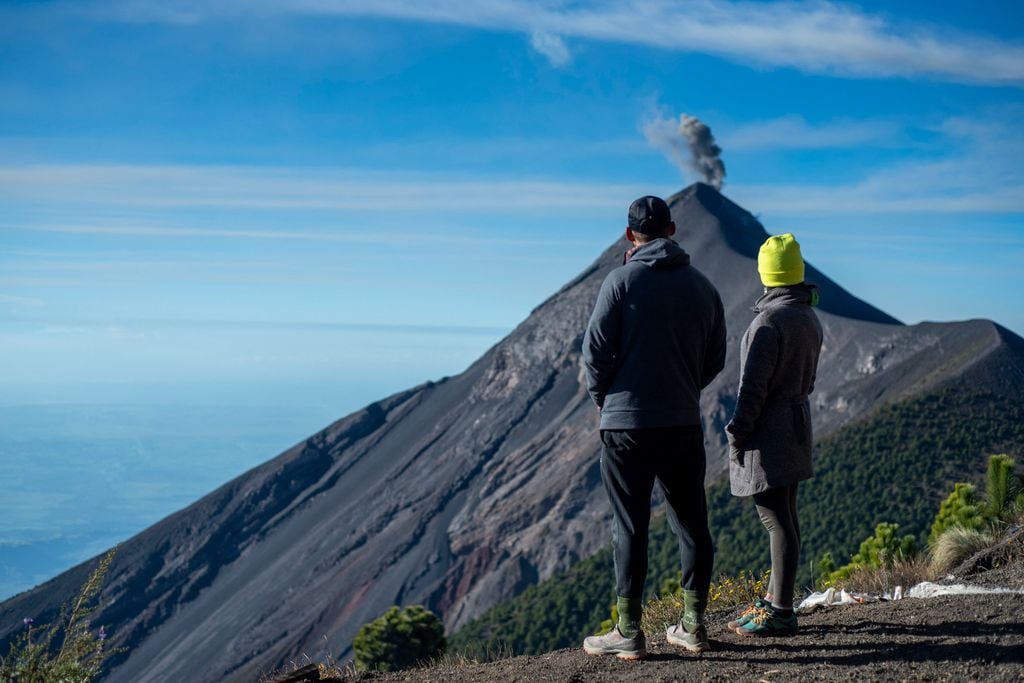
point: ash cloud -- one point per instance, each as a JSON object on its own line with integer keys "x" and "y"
{"x": 690, "y": 144}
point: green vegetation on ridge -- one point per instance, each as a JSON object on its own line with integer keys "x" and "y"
{"x": 399, "y": 639}
{"x": 894, "y": 466}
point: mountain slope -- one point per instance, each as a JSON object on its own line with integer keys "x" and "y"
{"x": 460, "y": 493}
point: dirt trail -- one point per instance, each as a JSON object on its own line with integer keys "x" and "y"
{"x": 951, "y": 638}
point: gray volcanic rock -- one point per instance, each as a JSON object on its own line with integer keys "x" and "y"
{"x": 459, "y": 494}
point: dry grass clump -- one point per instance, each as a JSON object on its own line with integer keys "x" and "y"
{"x": 732, "y": 592}
{"x": 884, "y": 579}
{"x": 305, "y": 669}
{"x": 659, "y": 613}
{"x": 955, "y": 545}
{"x": 478, "y": 655}
{"x": 725, "y": 595}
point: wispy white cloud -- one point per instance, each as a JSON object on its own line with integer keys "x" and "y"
{"x": 36, "y": 282}
{"x": 19, "y": 302}
{"x": 351, "y": 237}
{"x": 868, "y": 197}
{"x": 816, "y": 36}
{"x": 979, "y": 172}
{"x": 551, "y": 46}
{"x": 147, "y": 326}
{"x": 297, "y": 188}
{"x": 971, "y": 165}
{"x": 794, "y": 132}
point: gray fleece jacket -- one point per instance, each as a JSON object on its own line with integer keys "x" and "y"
{"x": 770, "y": 432}
{"x": 655, "y": 339}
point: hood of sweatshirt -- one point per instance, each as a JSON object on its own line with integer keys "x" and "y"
{"x": 660, "y": 253}
{"x": 788, "y": 295}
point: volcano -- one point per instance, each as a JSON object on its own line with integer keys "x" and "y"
{"x": 460, "y": 493}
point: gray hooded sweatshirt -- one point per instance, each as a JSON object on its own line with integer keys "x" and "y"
{"x": 770, "y": 432}
{"x": 655, "y": 339}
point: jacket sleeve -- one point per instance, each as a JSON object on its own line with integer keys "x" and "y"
{"x": 601, "y": 342}
{"x": 758, "y": 368}
{"x": 714, "y": 354}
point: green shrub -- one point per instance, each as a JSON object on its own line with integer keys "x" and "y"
{"x": 826, "y": 565}
{"x": 399, "y": 639}
{"x": 885, "y": 547}
{"x": 881, "y": 550}
{"x": 1001, "y": 487}
{"x": 34, "y": 657}
{"x": 1003, "y": 501}
{"x": 961, "y": 508}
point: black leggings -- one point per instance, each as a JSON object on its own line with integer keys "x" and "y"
{"x": 631, "y": 463}
{"x": 777, "y": 510}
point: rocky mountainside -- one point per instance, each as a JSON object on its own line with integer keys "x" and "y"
{"x": 460, "y": 493}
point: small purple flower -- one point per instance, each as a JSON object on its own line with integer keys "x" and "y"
{"x": 102, "y": 635}
{"x": 28, "y": 621}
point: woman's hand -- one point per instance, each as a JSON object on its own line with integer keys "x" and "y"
{"x": 735, "y": 450}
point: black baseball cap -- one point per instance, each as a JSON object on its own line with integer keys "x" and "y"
{"x": 649, "y": 215}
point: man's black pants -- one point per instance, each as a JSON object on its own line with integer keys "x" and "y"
{"x": 631, "y": 462}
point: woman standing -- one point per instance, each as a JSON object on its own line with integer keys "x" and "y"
{"x": 770, "y": 432}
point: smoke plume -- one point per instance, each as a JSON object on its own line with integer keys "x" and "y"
{"x": 691, "y": 145}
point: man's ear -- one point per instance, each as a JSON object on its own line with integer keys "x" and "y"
{"x": 671, "y": 230}
{"x": 629, "y": 235}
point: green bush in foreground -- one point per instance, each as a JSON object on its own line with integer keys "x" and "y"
{"x": 399, "y": 639}
{"x": 960, "y": 509}
{"x": 883, "y": 549}
{"x": 1001, "y": 487}
{"x": 964, "y": 509}
{"x": 31, "y": 658}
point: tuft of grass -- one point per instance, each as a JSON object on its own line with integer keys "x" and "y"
{"x": 481, "y": 653}
{"x": 725, "y": 595}
{"x": 329, "y": 670}
{"x": 34, "y": 657}
{"x": 883, "y": 579}
{"x": 730, "y": 592}
{"x": 333, "y": 670}
{"x": 955, "y": 545}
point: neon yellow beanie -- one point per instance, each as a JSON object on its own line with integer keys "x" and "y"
{"x": 779, "y": 261}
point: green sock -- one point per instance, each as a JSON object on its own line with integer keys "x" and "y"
{"x": 694, "y": 604}
{"x": 630, "y": 611}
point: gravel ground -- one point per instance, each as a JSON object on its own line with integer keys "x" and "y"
{"x": 951, "y": 638}
{"x": 948, "y": 638}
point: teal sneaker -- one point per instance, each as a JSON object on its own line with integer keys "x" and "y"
{"x": 747, "y": 614}
{"x": 614, "y": 643}
{"x": 770, "y": 622}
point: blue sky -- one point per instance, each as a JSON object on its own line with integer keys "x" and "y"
{"x": 223, "y": 224}
{"x": 218, "y": 200}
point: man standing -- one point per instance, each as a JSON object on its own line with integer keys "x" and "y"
{"x": 655, "y": 339}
